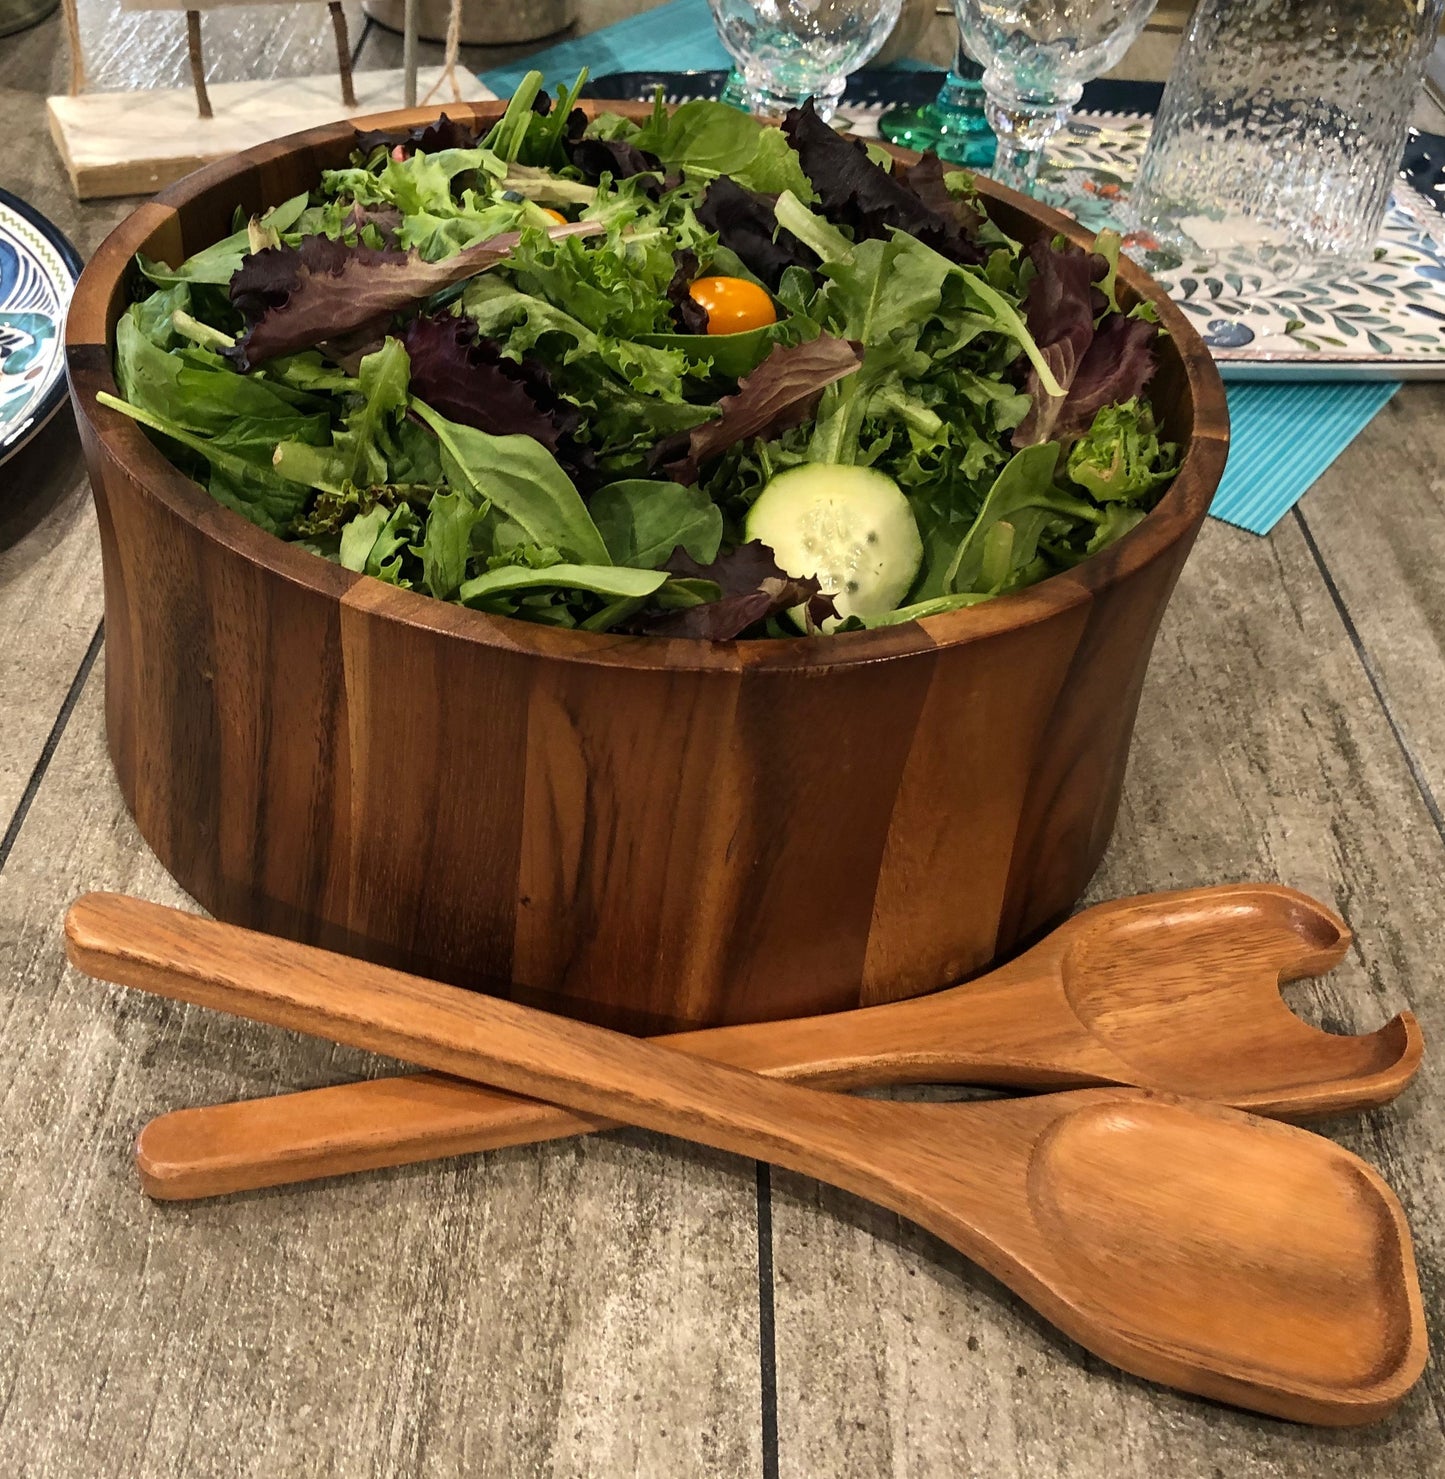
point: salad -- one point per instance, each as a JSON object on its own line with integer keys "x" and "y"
{"x": 694, "y": 376}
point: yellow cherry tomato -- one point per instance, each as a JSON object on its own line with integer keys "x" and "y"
{"x": 557, "y": 216}
{"x": 733, "y": 304}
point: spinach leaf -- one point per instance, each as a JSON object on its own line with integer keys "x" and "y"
{"x": 1023, "y": 496}
{"x": 643, "y": 521}
{"x": 521, "y": 478}
{"x": 240, "y": 459}
{"x": 219, "y": 263}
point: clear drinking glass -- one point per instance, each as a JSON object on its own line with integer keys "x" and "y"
{"x": 1281, "y": 129}
{"x": 788, "y": 50}
{"x": 1037, "y": 56}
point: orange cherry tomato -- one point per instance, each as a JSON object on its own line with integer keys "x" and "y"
{"x": 557, "y": 216}
{"x": 733, "y": 304}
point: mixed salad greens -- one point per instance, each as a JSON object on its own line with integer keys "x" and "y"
{"x": 696, "y": 376}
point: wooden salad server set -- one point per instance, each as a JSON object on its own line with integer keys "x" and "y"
{"x": 1186, "y": 1242}
{"x": 1178, "y": 992}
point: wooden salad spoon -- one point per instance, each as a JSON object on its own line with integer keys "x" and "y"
{"x": 1226, "y": 1255}
{"x": 1176, "y": 991}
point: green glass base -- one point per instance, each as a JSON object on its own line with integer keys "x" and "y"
{"x": 957, "y": 136}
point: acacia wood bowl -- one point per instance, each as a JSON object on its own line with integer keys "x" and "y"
{"x": 652, "y": 833}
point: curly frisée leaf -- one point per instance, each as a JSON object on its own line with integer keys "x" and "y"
{"x": 296, "y": 297}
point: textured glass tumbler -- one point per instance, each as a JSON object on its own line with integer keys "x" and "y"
{"x": 788, "y": 50}
{"x": 1281, "y": 131}
{"x": 1037, "y": 56}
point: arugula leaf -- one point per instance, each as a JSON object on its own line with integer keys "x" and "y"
{"x": 373, "y": 543}
{"x": 522, "y": 479}
{"x": 642, "y": 521}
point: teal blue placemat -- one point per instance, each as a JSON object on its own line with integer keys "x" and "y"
{"x": 1282, "y": 437}
{"x": 678, "y": 37}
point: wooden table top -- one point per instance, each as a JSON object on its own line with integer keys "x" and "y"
{"x": 629, "y": 1305}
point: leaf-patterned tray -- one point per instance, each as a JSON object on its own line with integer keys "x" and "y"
{"x": 1385, "y": 322}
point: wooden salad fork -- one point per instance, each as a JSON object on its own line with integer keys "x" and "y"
{"x": 1176, "y": 991}
{"x": 1226, "y": 1255}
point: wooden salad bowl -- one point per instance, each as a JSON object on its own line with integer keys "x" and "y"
{"x": 655, "y": 834}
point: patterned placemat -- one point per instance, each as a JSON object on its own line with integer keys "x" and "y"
{"x": 1386, "y": 321}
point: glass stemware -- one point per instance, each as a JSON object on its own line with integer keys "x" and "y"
{"x": 953, "y": 125}
{"x": 1037, "y": 55}
{"x": 788, "y": 50}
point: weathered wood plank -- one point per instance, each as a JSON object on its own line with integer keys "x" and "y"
{"x": 1260, "y": 754}
{"x": 1377, "y": 519}
{"x": 588, "y": 1310}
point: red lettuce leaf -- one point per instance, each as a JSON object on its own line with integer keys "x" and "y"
{"x": 868, "y": 200}
{"x": 1119, "y": 364}
{"x": 745, "y": 223}
{"x": 467, "y": 379}
{"x": 428, "y": 138}
{"x": 615, "y": 157}
{"x": 781, "y": 393}
{"x": 297, "y": 297}
{"x": 753, "y": 589}
{"x": 688, "y": 314}
{"x": 1096, "y": 367}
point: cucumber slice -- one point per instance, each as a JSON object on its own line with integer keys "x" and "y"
{"x": 852, "y": 527}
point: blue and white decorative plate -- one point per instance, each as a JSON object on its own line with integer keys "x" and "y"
{"x": 38, "y": 269}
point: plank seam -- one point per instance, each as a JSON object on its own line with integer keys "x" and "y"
{"x": 1412, "y": 762}
{"x": 52, "y": 740}
{"x": 767, "y": 1341}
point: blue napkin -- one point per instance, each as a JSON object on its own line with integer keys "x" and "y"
{"x": 1283, "y": 436}
{"x": 678, "y": 37}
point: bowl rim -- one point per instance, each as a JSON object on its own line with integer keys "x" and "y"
{"x": 89, "y": 345}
